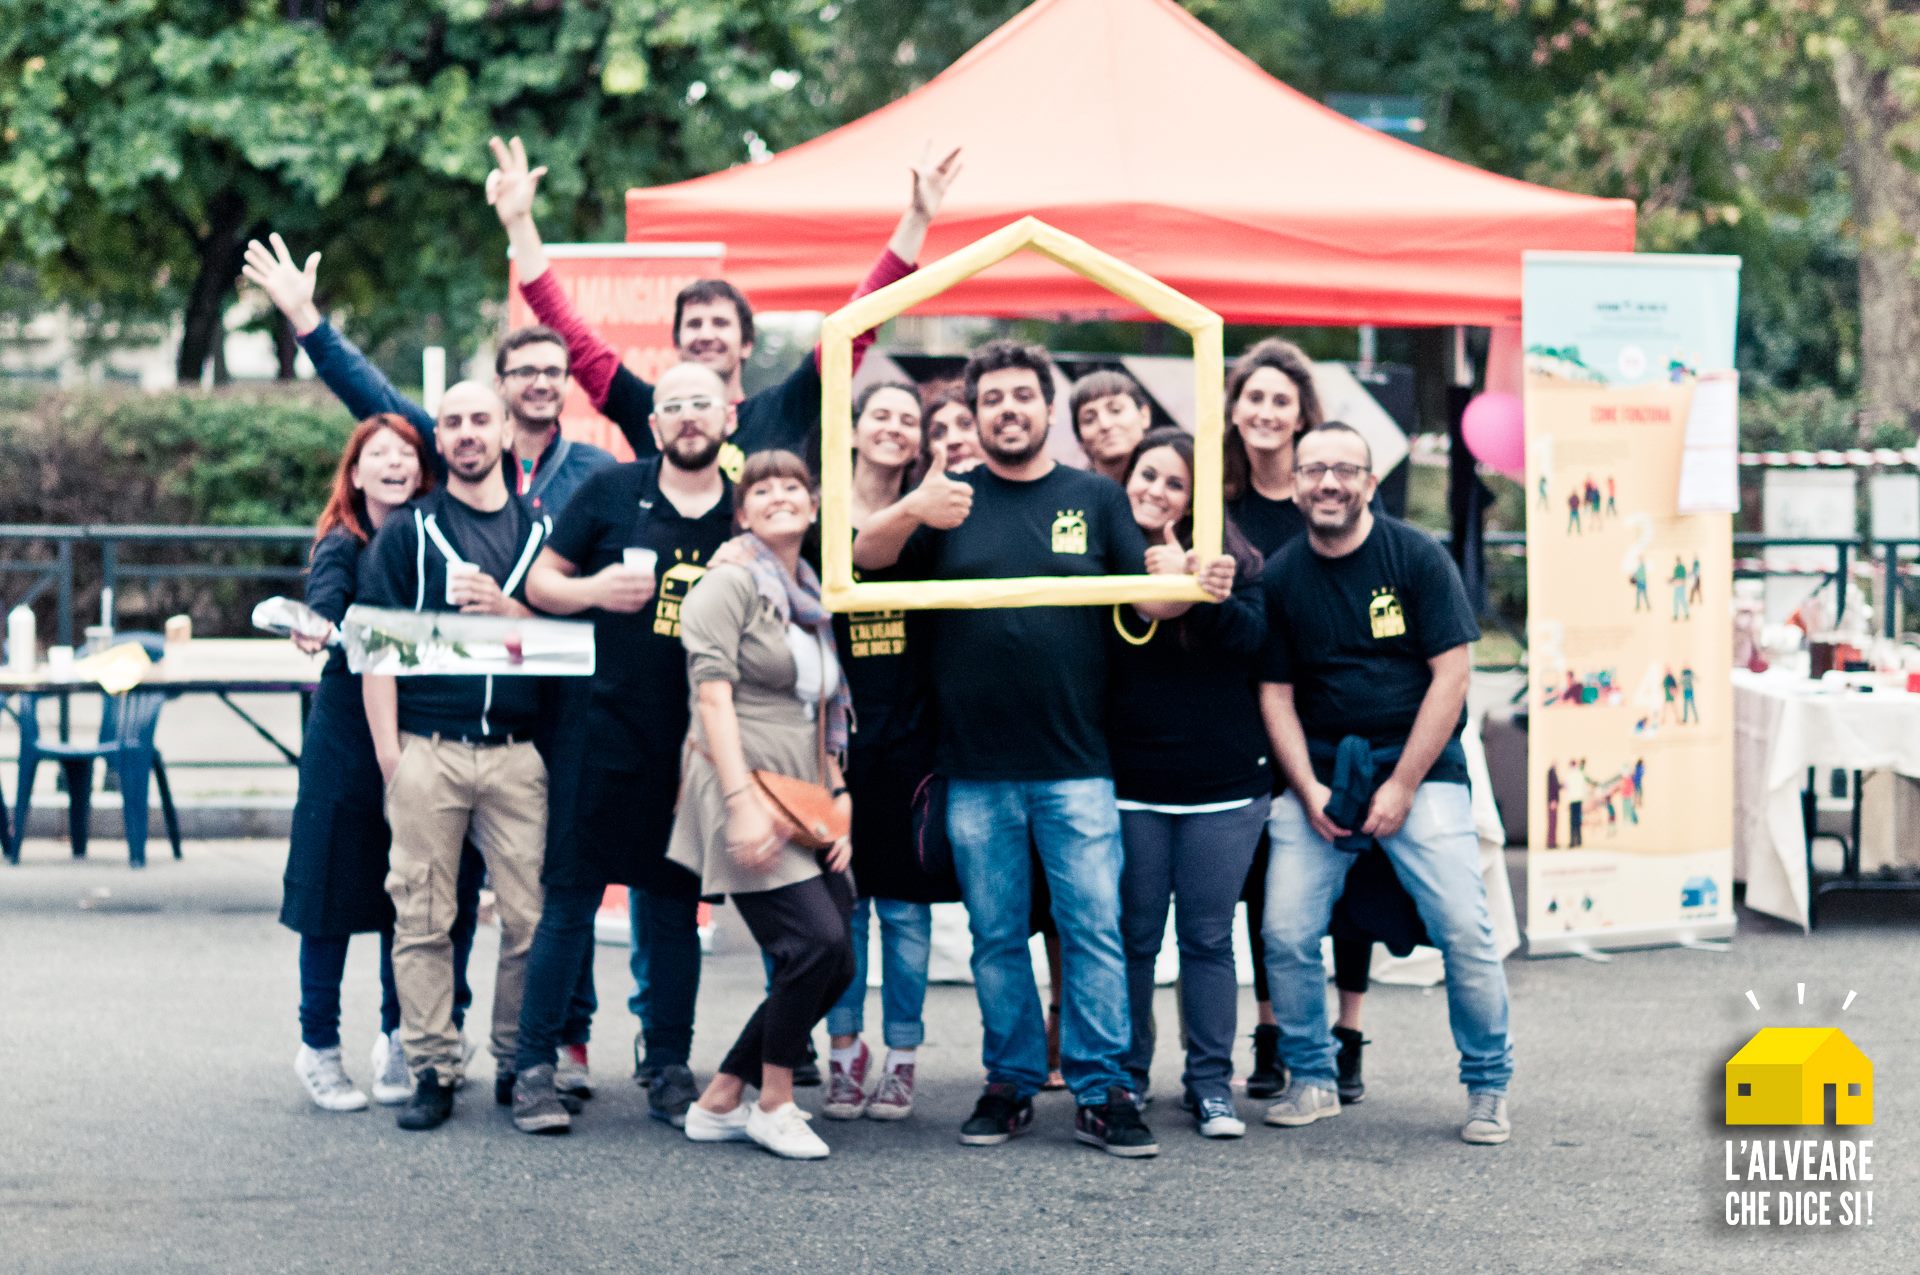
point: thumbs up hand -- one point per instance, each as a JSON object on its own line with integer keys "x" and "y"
{"x": 1167, "y": 559}
{"x": 1215, "y": 575}
{"x": 941, "y": 502}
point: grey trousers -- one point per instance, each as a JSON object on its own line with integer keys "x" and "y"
{"x": 1198, "y": 863}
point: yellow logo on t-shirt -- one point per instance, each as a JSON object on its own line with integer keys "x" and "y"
{"x": 1385, "y": 615}
{"x": 876, "y": 633}
{"x": 1070, "y": 531}
{"x": 674, "y": 583}
{"x": 732, "y": 461}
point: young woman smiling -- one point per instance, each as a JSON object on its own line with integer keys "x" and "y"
{"x": 1192, "y": 776}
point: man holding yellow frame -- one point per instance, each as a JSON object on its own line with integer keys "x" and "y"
{"x": 1020, "y": 694}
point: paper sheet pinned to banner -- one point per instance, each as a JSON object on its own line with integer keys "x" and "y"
{"x": 1710, "y": 461}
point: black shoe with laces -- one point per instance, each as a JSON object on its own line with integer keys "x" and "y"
{"x": 1268, "y": 1076}
{"x": 807, "y": 1074}
{"x": 1115, "y": 1126}
{"x": 1347, "y": 1065}
{"x": 430, "y": 1106}
{"x": 999, "y": 1115}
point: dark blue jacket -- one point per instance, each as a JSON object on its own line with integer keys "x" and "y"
{"x": 366, "y": 391}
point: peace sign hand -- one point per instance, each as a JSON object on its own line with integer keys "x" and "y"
{"x": 931, "y": 181}
{"x": 511, "y": 185}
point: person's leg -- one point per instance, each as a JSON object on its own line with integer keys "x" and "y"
{"x": 564, "y": 932}
{"x": 1254, "y": 895}
{"x": 1209, "y": 859}
{"x": 1305, "y": 876}
{"x": 637, "y": 955}
{"x": 466, "y": 923}
{"x": 906, "y": 947}
{"x": 847, "y": 1019}
{"x": 987, "y": 824}
{"x": 583, "y": 1002}
{"x": 1352, "y": 966}
{"x": 323, "y": 962}
{"x": 1436, "y": 855}
{"x": 1146, "y": 890}
{"x": 1076, "y": 828}
{"x": 389, "y": 993}
{"x": 672, "y": 931}
{"x": 804, "y": 928}
{"x": 510, "y": 827}
{"x": 428, "y": 808}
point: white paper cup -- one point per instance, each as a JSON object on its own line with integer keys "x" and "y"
{"x": 458, "y": 571}
{"x": 59, "y": 662}
{"x": 641, "y": 559}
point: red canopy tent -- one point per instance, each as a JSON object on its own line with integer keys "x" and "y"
{"x": 1132, "y": 125}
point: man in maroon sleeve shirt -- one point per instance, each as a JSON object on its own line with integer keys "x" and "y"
{"x": 712, "y": 321}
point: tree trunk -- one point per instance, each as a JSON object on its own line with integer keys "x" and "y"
{"x": 1886, "y": 211}
{"x": 221, "y": 250}
{"x": 285, "y": 349}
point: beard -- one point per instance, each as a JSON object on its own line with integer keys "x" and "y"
{"x": 691, "y": 452}
{"x": 1335, "y": 521}
{"x": 1036, "y": 443}
{"x": 472, "y": 466}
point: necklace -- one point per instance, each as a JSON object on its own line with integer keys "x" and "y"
{"x": 1153, "y": 626}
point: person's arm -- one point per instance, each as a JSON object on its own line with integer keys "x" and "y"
{"x": 713, "y": 619}
{"x": 1290, "y": 754}
{"x": 330, "y": 585}
{"x": 1128, "y": 554}
{"x": 555, "y": 586}
{"x": 380, "y": 694}
{"x": 1433, "y": 728}
{"x": 938, "y": 502}
{"x": 386, "y": 580}
{"x": 363, "y": 388}
{"x": 1238, "y": 625}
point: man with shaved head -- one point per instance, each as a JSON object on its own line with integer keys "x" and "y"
{"x": 632, "y": 542}
{"x": 457, "y": 752}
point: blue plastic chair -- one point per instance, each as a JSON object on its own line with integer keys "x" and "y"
{"x": 126, "y": 744}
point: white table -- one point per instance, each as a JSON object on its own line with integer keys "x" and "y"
{"x": 1785, "y": 726}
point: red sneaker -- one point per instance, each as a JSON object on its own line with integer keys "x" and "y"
{"x": 847, "y": 1086}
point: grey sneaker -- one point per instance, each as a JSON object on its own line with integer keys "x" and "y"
{"x": 392, "y": 1082}
{"x": 1487, "y": 1124}
{"x": 1301, "y": 1103}
{"x": 671, "y": 1093}
{"x": 536, "y": 1104}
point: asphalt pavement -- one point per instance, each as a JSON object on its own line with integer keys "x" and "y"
{"x": 147, "y": 1032}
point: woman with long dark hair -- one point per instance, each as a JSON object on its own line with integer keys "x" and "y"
{"x": 1191, "y": 772}
{"x": 335, "y": 883}
{"x": 890, "y": 755}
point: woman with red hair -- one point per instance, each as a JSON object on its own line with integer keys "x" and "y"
{"x": 335, "y": 883}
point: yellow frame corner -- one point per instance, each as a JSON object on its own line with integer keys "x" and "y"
{"x": 839, "y": 589}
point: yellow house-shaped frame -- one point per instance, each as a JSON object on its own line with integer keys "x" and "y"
{"x": 1781, "y": 1077}
{"x": 839, "y": 590}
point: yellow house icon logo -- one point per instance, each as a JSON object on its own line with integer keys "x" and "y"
{"x": 1800, "y": 1076}
{"x": 1070, "y": 532}
{"x": 1385, "y": 615}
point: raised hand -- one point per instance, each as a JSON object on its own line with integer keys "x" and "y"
{"x": 511, "y": 185}
{"x": 1167, "y": 559}
{"x": 931, "y": 181}
{"x": 288, "y": 286}
{"x": 941, "y": 502}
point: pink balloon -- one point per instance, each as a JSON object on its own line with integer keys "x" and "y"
{"x": 1494, "y": 426}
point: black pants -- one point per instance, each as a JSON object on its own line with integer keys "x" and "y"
{"x": 803, "y": 930}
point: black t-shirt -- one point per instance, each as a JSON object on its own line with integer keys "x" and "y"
{"x": 492, "y": 540}
{"x": 1020, "y": 693}
{"x": 884, "y": 654}
{"x": 1268, "y": 524}
{"x": 640, "y": 669}
{"x": 1353, "y": 635}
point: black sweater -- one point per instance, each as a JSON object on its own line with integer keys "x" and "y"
{"x": 1184, "y": 722}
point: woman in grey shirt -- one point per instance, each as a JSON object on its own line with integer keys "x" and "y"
{"x": 760, "y": 659}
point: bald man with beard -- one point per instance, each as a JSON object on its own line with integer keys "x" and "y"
{"x": 457, "y": 752}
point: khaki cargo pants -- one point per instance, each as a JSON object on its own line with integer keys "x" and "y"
{"x": 442, "y": 791}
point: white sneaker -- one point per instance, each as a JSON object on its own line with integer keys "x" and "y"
{"x": 326, "y": 1080}
{"x": 716, "y": 1126}
{"x": 785, "y": 1132}
{"x": 1217, "y": 1119}
{"x": 392, "y": 1082}
{"x": 1301, "y": 1104}
{"x": 467, "y": 1050}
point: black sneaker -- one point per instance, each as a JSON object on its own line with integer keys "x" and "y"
{"x": 1115, "y": 1126}
{"x": 431, "y": 1104}
{"x": 671, "y": 1093}
{"x": 999, "y": 1115}
{"x": 536, "y": 1103}
{"x": 1268, "y": 1076}
{"x": 1347, "y": 1064}
{"x": 503, "y": 1093}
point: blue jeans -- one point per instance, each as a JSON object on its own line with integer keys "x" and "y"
{"x": 906, "y": 945}
{"x": 1436, "y": 855}
{"x": 1073, "y": 826}
{"x": 636, "y": 952}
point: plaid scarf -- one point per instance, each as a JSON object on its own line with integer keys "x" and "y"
{"x": 795, "y": 597}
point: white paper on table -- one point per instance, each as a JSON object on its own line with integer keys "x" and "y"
{"x": 1710, "y": 462}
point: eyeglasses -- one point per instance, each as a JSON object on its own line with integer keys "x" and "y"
{"x": 535, "y": 373}
{"x": 1347, "y": 474}
{"x": 681, "y": 406}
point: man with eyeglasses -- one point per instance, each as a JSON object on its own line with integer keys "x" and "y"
{"x": 1364, "y": 689}
{"x": 533, "y": 369}
{"x": 633, "y": 540}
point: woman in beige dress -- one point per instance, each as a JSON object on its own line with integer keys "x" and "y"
{"x": 760, "y": 659}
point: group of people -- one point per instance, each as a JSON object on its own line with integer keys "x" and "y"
{"x": 1293, "y": 741}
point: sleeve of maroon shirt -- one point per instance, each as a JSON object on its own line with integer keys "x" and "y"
{"x": 889, "y": 269}
{"x": 593, "y": 360}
